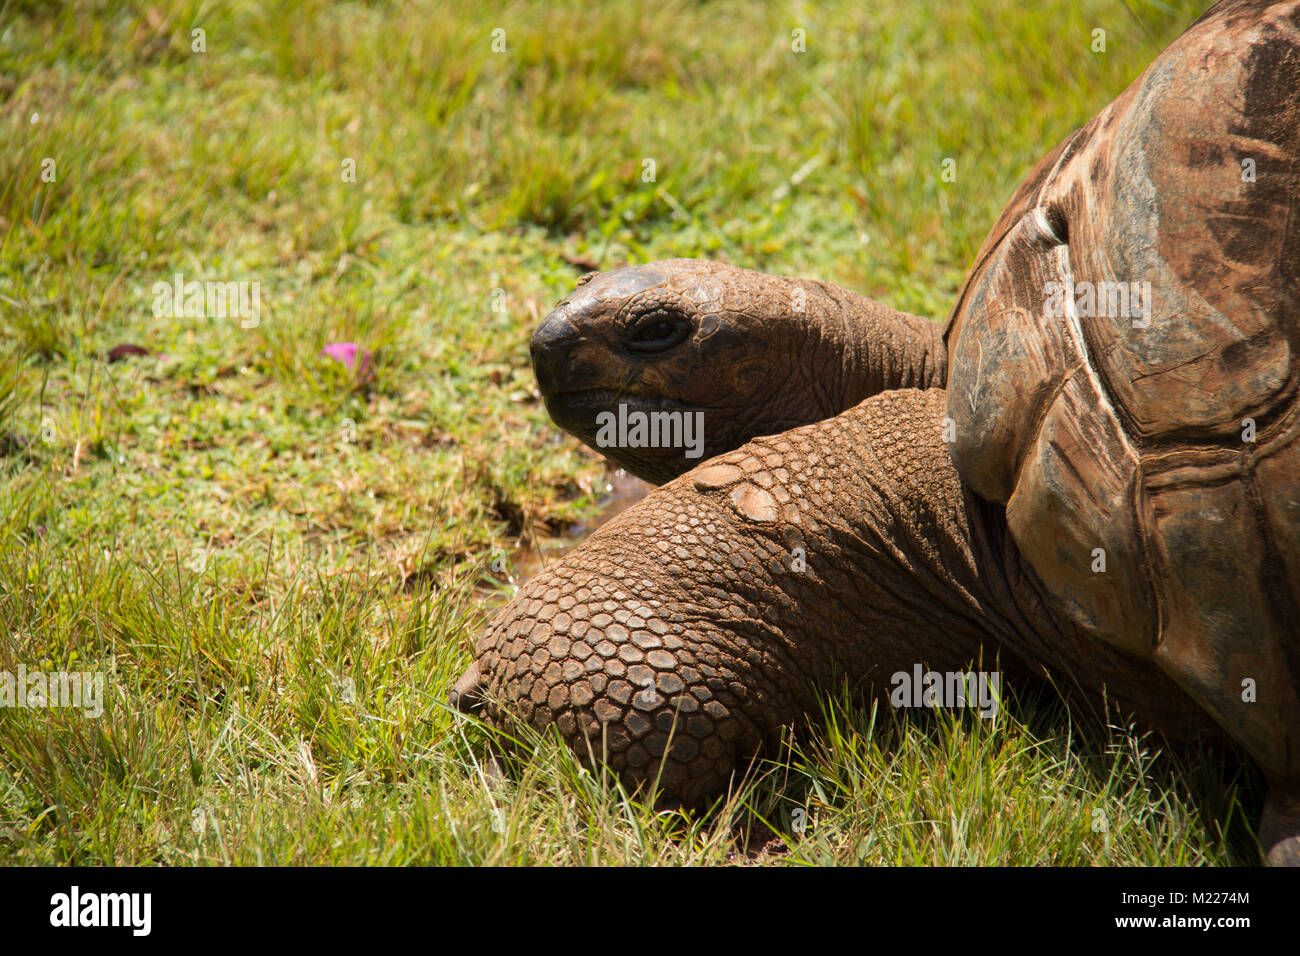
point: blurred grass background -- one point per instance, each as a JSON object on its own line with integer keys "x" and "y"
{"x": 282, "y": 566}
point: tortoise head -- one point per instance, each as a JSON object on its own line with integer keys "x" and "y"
{"x": 699, "y": 356}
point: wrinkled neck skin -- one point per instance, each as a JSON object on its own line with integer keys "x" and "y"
{"x": 873, "y": 348}
{"x": 821, "y": 351}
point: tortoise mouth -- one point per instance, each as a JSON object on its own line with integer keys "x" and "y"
{"x": 610, "y": 398}
{"x": 577, "y": 411}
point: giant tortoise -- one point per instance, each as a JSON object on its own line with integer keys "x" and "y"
{"x": 1093, "y": 469}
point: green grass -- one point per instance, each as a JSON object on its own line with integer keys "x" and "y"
{"x": 282, "y": 567}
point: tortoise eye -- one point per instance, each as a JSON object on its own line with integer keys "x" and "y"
{"x": 657, "y": 332}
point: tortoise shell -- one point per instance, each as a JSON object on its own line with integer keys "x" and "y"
{"x": 1123, "y": 364}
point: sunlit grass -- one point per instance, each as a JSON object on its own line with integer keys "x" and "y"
{"x": 281, "y": 566}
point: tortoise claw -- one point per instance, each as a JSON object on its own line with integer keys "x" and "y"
{"x": 1285, "y": 852}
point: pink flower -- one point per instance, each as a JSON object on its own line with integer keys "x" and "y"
{"x": 353, "y": 357}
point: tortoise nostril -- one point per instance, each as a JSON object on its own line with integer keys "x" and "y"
{"x": 549, "y": 348}
{"x": 552, "y": 338}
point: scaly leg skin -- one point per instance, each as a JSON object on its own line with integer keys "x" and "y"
{"x": 1279, "y": 830}
{"x": 717, "y": 608}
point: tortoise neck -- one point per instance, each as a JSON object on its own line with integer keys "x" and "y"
{"x": 875, "y": 348}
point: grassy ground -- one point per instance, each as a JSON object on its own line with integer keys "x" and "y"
{"x": 281, "y": 566}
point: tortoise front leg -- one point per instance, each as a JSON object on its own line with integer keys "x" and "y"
{"x": 718, "y": 608}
